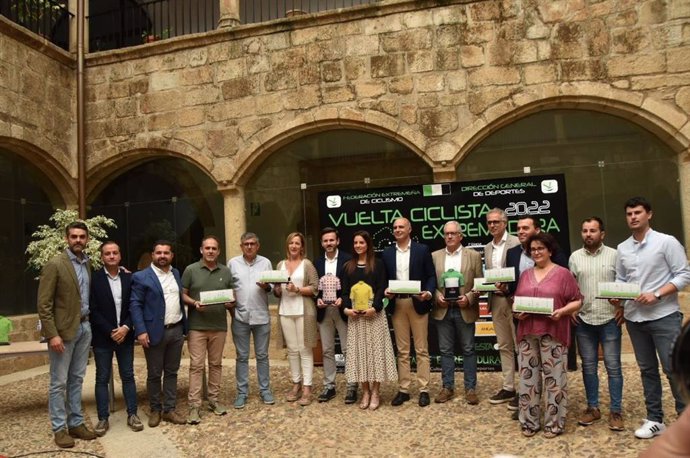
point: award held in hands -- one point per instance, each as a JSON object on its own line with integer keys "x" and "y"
{"x": 499, "y": 275}
{"x": 274, "y": 276}
{"x": 526, "y": 304}
{"x": 452, "y": 281}
{"x": 617, "y": 290}
{"x": 219, "y": 296}
{"x": 405, "y": 287}
{"x": 481, "y": 285}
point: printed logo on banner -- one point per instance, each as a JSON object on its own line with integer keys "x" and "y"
{"x": 333, "y": 201}
{"x": 549, "y": 186}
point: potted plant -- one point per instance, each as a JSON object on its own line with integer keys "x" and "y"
{"x": 49, "y": 240}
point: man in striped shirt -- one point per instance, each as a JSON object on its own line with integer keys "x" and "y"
{"x": 599, "y": 323}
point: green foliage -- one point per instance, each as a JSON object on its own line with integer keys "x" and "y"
{"x": 50, "y": 240}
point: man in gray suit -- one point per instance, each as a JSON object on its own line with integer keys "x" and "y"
{"x": 501, "y": 310}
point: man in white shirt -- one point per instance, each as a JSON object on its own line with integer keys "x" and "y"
{"x": 658, "y": 263}
{"x": 160, "y": 331}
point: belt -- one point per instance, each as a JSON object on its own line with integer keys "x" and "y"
{"x": 84, "y": 318}
{"x": 168, "y": 326}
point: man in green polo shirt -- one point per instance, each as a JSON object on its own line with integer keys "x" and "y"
{"x": 207, "y": 325}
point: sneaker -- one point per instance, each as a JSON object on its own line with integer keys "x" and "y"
{"x": 445, "y": 395}
{"x": 514, "y": 404}
{"x": 649, "y": 429}
{"x": 326, "y": 395}
{"x": 217, "y": 408}
{"x": 154, "y": 418}
{"x": 63, "y": 439}
{"x": 134, "y": 423}
{"x": 589, "y": 416}
{"x": 267, "y": 398}
{"x": 351, "y": 396}
{"x": 240, "y": 401}
{"x": 502, "y": 396}
{"x": 173, "y": 417}
{"x": 193, "y": 418}
{"x": 616, "y": 421}
{"x": 101, "y": 428}
{"x": 82, "y": 432}
{"x": 471, "y": 397}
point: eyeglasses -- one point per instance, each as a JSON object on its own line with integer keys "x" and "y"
{"x": 537, "y": 249}
{"x": 451, "y": 234}
{"x": 248, "y": 244}
{"x": 494, "y": 222}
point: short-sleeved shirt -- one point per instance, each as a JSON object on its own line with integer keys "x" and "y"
{"x": 197, "y": 278}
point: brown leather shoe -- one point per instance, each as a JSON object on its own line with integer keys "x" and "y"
{"x": 174, "y": 418}
{"x": 63, "y": 439}
{"x": 445, "y": 395}
{"x": 82, "y": 432}
{"x": 471, "y": 397}
{"x": 154, "y": 418}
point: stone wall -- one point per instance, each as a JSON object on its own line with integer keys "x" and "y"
{"x": 37, "y": 101}
{"x": 437, "y": 78}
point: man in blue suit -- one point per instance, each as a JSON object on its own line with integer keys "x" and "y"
{"x": 408, "y": 260}
{"x": 111, "y": 326}
{"x": 331, "y": 317}
{"x": 160, "y": 325}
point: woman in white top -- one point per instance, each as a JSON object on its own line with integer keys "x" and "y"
{"x": 298, "y": 316}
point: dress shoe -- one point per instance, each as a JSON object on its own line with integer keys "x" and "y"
{"x": 173, "y": 417}
{"x": 326, "y": 395}
{"x": 445, "y": 395}
{"x": 82, "y": 432}
{"x": 154, "y": 418}
{"x": 63, "y": 439}
{"x": 351, "y": 396}
{"x": 424, "y": 399}
{"x": 471, "y": 397}
{"x": 400, "y": 398}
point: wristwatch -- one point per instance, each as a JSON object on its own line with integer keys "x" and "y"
{"x": 657, "y": 294}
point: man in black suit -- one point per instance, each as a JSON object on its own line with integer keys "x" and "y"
{"x": 112, "y": 333}
{"x": 408, "y": 260}
{"x": 330, "y": 316}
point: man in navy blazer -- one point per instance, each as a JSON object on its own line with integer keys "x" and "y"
{"x": 331, "y": 317}
{"x": 111, "y": 326}
{"x": 408, "y": 260}
{"x": 160, "y": 325}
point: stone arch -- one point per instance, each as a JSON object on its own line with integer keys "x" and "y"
{"x": 98, "y": 175}
{"x": 660, "y": 118}
{"x": 269, "y": 140}
{"x": 60, "y": 179}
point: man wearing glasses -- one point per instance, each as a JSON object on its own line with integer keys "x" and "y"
{"x": 501, "y": 312}
{"x": 251, "y": 317}
{"x": 456, "y": 316}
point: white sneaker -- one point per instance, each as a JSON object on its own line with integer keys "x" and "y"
{"x": 649, "y": 429}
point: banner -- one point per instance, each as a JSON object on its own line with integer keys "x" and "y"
{"x": 429, "y": 207}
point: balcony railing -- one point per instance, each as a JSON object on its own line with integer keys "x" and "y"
{"x": 121, "y": 23}
{"x": 252, "y": 11}
{"x": 48, "y": 18}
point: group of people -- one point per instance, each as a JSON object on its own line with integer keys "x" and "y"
{"x": 349, "y": 295}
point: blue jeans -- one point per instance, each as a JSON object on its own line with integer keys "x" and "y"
{"x": 588, "y": 339}
{"x": 240, "y": 336}
{"x": 649, "y": 339}
{"x": 104, "y": 366}
{"x": 67, "y": 371}
{"x": 450, "y": 328}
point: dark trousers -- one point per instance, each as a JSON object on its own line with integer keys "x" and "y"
{"x": 104, "y": 366}
{"x": 164, "y": 360}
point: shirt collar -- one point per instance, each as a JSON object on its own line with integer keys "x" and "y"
{"x": 73, "y": 257}
{"x": 110, "y": 276}
{"x": 588, "y": 253}
{"x": 503, "y": 239}
{"x": 204, "y": 266}
{"x": 456, "y": 252}
{"x": 645, "y": 239}
{"x": 335, "y": 258}
{"x": 160, "y": 271}
{"x": 401, "y": 250}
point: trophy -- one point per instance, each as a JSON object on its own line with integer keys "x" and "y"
{"x": 452, "y": 282}
{"x": 329, "y": 288}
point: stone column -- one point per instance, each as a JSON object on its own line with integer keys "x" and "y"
{"x": 684, "y": 175}
{"x": 235, "y": 222}
{"x": 444, "y": 173}
{"x": 229, "y": 13}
